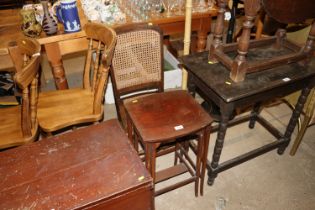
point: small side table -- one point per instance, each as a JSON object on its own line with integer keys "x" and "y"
{"x": 213, "y": 83}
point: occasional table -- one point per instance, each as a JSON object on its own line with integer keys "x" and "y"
{"x": 213, "y": 83}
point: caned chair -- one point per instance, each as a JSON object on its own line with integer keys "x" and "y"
{"x": 157, "y": 118}
{"x": 63, "y": 108}
{"x": 19, "y": 123}
{"x": 137, "y": 64}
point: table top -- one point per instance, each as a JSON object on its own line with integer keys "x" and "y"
{"x": 216, "y": 76}
{"x": 70, "y": 171}
{"x": 151, "y": 116}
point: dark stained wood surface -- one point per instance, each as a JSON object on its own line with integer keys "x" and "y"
{"x": 216, "y": 76}
{"x": 90, "y": 166}
{"x": 162, "y": 117}
{"x": 291, "y": 11}
{"x": 213, "y": 83}
{"x": 156, "y": 116}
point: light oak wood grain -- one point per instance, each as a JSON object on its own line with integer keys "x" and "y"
{"x": 19, "y": 123}
{"x": 63, "y": 108}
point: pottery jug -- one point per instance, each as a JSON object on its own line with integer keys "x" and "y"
{"x": 49, "y": 24}
{"x": 30, "y": 26}
{"x": 67, "y": 13}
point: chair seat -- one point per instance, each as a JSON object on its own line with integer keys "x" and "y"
{"x": 56, "y": 110}
{"x": 10, "y": 127}
{"x": 165, "y": 116}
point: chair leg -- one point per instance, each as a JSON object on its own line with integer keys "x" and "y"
{"x": 300, "y": 135}
{"x": 175, "y": 154}
{"x": 136, "y": 142}
{"x": 205, "y": 146}
{"x": 150, "y": 158}
{"x": 198, "y": 161}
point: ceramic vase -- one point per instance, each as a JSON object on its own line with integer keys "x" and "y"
{"x": 30, "y": 26}
{"x": 49, "y": 24}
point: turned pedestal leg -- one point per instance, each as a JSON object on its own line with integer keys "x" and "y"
{"x": 218, "y": 30}
{"x": 239, "y": 66}
{"x": 202, "y": 33}
{"x": 54, "y": 57}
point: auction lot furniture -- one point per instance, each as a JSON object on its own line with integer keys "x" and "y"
{"x": 53, "y": 45}
{"x": 19, "y": 124}
{"x": 93, "y": 167}
{"x": 165, "y": 117}
{"x": 283, "y": 11}
{"x": 59, "y": 109}
{"x": 213, "y": 83}
{"x": 137, "y": 66}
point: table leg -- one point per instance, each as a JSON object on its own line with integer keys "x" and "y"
{"x": 191, "y": 86}
{"x": 253, "y": 116}
{"x": 200, "y": 146}
{"x": 225, "y": 116}
{"x": 54, "y": 57}
{"x": 205, "y": 146}
{"x": 130, "y": 132}
{"x": 202, "y": 33}
{"x": 202, "y": 41}
{"x": 294, "y": 118}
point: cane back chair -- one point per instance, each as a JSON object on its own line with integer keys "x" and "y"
{"x": 137, "y": 64}
{"x": 157, "y": 118}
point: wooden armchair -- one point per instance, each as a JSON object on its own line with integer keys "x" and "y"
{"x": 19, "y": 123}
{"x": 62, "y": 108}
{"x": 137, "y": 68}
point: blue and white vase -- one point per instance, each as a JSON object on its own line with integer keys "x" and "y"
{"x": 67, "y": 13}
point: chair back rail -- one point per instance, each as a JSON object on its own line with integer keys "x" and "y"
{"x": 106, "y": 41}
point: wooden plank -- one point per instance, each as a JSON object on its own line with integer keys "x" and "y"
{"x": 170, "y": 172}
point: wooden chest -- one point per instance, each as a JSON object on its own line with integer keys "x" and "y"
{"x": 93, "y": 167}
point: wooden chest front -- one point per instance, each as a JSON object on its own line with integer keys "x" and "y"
{"x": 93, "y": 167}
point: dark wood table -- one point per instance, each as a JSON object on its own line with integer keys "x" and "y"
{"x": 94, "y": 167}
{"x": 213, "y": 83}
